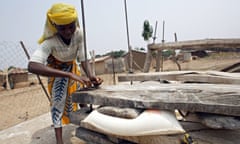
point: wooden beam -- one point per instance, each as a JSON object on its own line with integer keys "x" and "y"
{"x": 148, "y": 61}
{"x": 205, "y": 44}
{"x": 213, "y": 77}
{"x": 209, "y": 98}
{"x": 159, "y": 61}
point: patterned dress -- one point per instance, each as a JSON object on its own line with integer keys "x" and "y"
{"x": 61, "y": 89}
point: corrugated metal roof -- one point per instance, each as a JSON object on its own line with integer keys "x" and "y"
{"x": 17, "y": 71}
{"x": 102, "y": 58}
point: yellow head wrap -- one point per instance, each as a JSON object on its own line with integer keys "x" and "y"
{"x": 59, "y": 14}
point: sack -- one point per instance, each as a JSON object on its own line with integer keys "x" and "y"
{"x": 128, "y": 113}
{"x": 149, "y": 122}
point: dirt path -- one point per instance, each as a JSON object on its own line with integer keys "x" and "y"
{"x": 21, "y": 104}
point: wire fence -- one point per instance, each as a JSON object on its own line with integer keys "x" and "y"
{"x": 21, "y": 94}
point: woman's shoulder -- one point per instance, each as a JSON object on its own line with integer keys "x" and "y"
{"x": 50, "y": 41}
{"x": 79, "y": 31}
{"x": 78, "y": 34}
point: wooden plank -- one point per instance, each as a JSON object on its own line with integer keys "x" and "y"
{"x": 95, "y": 137}
{"x": 205, "y": 44}
{"x": 204, "y": 135}
{"x": 232, "y": 68}
{"x": 210, "y": 98}
{"x": 207, "y": 79}
{"x": 198, "y": 132}
{"x": 219, "y": 73}
{"x": 79, "y": 115}
{"x": 213, "y": 77}
{"x": 219, "y": 121}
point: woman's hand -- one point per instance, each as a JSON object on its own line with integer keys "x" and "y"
{"x": 87, "y": 82}
{"x": 83, "y": 80}
{"x": 96, "y": 81}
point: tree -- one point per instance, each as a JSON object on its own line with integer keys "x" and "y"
{"x": 116, "y": 54}
{"x": 139, "y": 49}
{"x": 147, "y": 30}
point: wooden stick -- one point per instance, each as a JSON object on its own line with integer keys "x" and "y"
{"x": 39, "y": 79}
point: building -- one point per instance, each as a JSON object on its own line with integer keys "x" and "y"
{"x": 138, "y": 60}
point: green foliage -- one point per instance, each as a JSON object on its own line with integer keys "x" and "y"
{"x": 147, "y": 30}
{"x": 11, "y": 67}
{"x": 97, "y": 56}
{"x": 167, "y": 53}
{"x": 140, "y": 49}
{"x": 116, "y": 54}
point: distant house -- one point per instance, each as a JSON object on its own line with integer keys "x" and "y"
{"x": 116, "y": 65}
{"x": 99, "y": 64}
{"x": 187, "y": 55}
{"x": 18, "y": 75}
{"x": 138, "y": 58}
{"x": 3, "y": 79}
{"x": 15, "y": 75}
{"x": 105, "y": 65}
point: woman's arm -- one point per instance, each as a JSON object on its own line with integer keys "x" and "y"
{"x": 87, "y": 69}
{"x": 41, "y": 69}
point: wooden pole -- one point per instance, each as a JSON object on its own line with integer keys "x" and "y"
{"x": 8, "y": 87}
{"x": 163, "y": 40}
{"x": 38, "y": 77}
{"x": 113, "y": 69}
{"x": 85, "y": 41}
{"x": 175, "y": 37}
{"x": 148, "y": 60}
{"x": 84, "y": 32}
{"x": 92, "y": 53}
{"x": 159, "y": 58}
{"x": 155, "y": 32}
{"x": 175, "y": 57}
{"x": 128, "y": 39}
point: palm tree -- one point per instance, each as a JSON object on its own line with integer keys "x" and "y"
{"x": 147, "y": 30}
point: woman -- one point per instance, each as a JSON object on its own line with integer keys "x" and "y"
{"x": 61, "y": 46}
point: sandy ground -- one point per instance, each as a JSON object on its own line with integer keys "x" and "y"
{"x": 30, "y": 132}
{"x": 37, "y": 131}
{"x": 25, "y": 118}
{"x": 24, "y": 112}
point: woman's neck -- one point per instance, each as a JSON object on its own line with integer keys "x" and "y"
{"x": 66, "y": 41}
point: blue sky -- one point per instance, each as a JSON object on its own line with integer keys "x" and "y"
{"x": 105, "y": 21}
